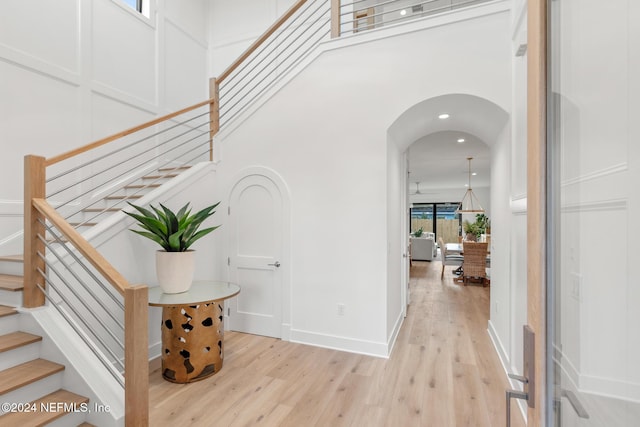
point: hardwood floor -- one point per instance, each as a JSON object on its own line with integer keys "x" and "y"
{"x": 443, "y": 372}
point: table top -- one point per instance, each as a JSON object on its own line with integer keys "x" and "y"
{"x": 454, "y": 247}
{"x": 201, "y": 292}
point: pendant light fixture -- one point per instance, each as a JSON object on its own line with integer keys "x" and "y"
{"x": 469, "y": 203}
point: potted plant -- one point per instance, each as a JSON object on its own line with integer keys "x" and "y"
{"x": 418, "y": 232}
{"x": 175, "y": 233}
{"x": 472, "y": 231}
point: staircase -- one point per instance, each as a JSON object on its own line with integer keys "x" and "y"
{"x": 114, "y": 202}
{"x": 32, "y": 384}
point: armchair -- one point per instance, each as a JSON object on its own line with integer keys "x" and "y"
{"x": 422, "y": 248}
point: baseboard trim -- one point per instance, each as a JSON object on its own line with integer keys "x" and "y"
{"x": 394, "y": 333}
{"x": 505, "y": 362}
{"x": 351, "y": 345}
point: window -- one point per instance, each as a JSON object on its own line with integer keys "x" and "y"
{"x": 447, "y": 222}
{"x": 141, "y": 6}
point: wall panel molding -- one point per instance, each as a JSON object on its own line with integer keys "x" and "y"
{"x": 39, "y": 66}
{"x": 202, "y": 43}
{"x": 599, "y": 174}
{"x": 518, "y": 204}
{"x": 596, "y": 206}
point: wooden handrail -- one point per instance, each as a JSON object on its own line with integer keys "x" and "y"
{"x": 103, "y": 141}
{"x": 272, "y": 29}
{"x": 90, "y": 253}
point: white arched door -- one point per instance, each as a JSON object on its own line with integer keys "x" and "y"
{"x": 256, "y": 229}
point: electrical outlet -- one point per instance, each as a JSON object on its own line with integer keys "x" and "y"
{"x": 575, "y": 284}
{"x": 340, "y": 309}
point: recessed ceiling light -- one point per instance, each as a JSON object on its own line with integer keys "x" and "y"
{"x": 474, "y": 174}
{"x": 443, "y": 116}
{"x": 461, "y": 140}
{"x": 403, "y": 12}
{"x": 466, "y": 185}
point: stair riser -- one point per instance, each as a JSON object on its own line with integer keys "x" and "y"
{"x": 34, "y": 390}
{"x": 10, "y": 298}
{"x": 17, "y": 356}
{"x": 71, "y": 419}
{"x": 9, "y": 324}
{"x": 93, "y": 217}
{"x": 14, "y": 268}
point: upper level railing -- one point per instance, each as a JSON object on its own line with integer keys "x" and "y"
{"x": 362, "y": 15}
{"x": 74, "y": 189}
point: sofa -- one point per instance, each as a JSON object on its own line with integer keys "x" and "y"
{"x": 423, "y": 248}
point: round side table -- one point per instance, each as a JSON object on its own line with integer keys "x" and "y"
{"x": 192, "y": 329}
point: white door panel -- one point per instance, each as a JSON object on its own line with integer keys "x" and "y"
{"x": 255, "y": 245}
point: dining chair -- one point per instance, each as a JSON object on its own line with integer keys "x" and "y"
{"x": 474, "y": 264}
{"x": 448, "y": 258}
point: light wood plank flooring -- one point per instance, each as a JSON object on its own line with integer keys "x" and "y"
{"x": 443, "y": 372}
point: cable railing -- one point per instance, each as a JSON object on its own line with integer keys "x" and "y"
{"x": 305, "y": 25}
{"x": 107, "y": 313}
{"x": 362, "y": 15}
{"x": 88, "y": 183}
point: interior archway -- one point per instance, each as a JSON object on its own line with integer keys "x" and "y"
{"x": 481, "y": 122}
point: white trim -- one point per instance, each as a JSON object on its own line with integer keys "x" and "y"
{"x": 504, "y": 361}
{"x": 518, "y": 204}
{"x": 395, "y": 331}
{"x": 352, "y": 345}
{"x": 595, "y": 175}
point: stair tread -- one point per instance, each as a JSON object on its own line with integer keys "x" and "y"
{"x": 17, "y": 339}
{"x": 12, "y": 258}
{"x": 7, "y": 311}
{"x": 83, "y": 224}
{"x": 136, "y": 196}
{"x": 9, "y": 282}
{"x": 136, "y": 186}
{"x": 100, "y": 210}
{"x": 174, "y": 168}
{"x": 169, "y": 175}
{"x": 53, "y": 405}
{"x": 27, "y": 373}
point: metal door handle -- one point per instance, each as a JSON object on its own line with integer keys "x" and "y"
{"x": 275, "y": 264}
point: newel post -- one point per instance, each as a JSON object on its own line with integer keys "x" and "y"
{"x": 335, "y": 18}
{"x": 34, "y": 188}
{"x": 136, "y": 356}
{"x": 214, "y": 112}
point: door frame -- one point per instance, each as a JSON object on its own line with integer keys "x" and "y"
{"x": 536, "y": 200}
{"x": 285, "y": 258}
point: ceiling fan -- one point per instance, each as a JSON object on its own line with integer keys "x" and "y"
{"x": 417, "y": 188}
{"x": 418, "y": 192}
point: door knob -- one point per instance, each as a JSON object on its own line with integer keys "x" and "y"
{"x": 275, "y": 264}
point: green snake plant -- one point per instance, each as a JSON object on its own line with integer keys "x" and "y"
{"x": 175, "y": 232}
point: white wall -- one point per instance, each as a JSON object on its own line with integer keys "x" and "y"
{"x": 508, "y": 311}
{"x": 249, "y": 18}
{"x": 74, "y": 71}
{"x": 327, "y": 138}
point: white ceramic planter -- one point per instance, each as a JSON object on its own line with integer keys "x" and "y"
{"x": 175, "y": 271}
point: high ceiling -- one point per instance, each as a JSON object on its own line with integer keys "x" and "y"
{"x": 436, "y": 159}
{"x": 439, "y": 161}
